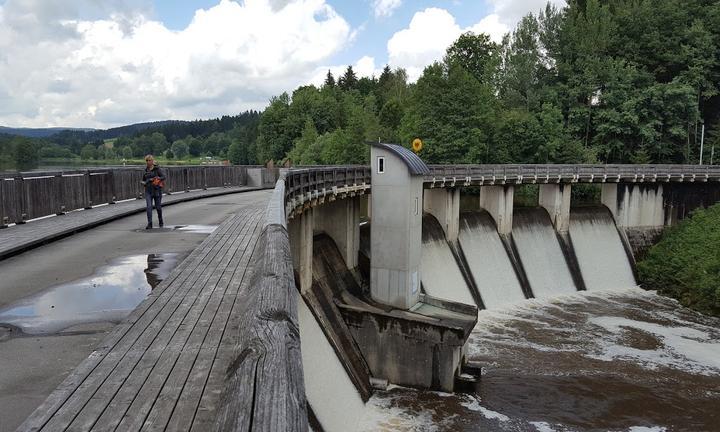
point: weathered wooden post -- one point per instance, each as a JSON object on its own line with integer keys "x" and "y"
{"x": 59, "y": 192}
{"x": 204, "y": 173}
{"x": 3, "y": 217}
{"x": 88, "y": 197}
{"x": 113, "y": 191}
{"x": 186, "y": 179}
{"x": 21, "y": 199}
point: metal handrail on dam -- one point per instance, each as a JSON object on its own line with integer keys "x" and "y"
{"x": 309, "y": 186}
{"x": 467, "y": 175}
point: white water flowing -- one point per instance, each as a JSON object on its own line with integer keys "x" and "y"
{"x": 330, "y": 392}
{"x": 488, "y": 261}
{"x": 599, "y": 250}
{"x": 441, "y": 276}
{"x": 540, "y": 253}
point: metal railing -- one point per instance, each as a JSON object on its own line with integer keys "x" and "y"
{"x": 465, "y": 175}
{"x": 304, "y": 186}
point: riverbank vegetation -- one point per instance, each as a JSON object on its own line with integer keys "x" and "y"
{"x": 685, "y": 264}
{"x": 621, "y": 81}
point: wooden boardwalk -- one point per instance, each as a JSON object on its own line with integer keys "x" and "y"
{"x": 165, "y": 367}
{"x": 19, "y": 238}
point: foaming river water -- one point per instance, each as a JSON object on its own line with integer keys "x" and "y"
{"x": 626, "y": 360}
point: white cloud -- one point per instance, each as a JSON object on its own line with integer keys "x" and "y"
{"x": 424, "y": 41}
{"x": 491, "y": 26}
{"x": 509, "y": 12}
{"x": 432, "y": 30}
{"x": 64, "y": 69}
{"x": 385, "y": 8}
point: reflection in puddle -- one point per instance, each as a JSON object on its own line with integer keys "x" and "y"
{"x": 603, "y": 361}
{"x": 197, "y": 229}
{"x": 107, "y": 296}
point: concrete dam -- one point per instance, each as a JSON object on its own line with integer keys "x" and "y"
{"x": 394, "y": 274}
{"x": 533, "y": 261}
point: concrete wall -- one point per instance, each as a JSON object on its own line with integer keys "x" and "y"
{"x": 396, "y": 234}
{"x": 407, "y": 352}
{"x": 498, "y": 201}
{"x": 444, "y": 204}
{"x": 635, "y": 205}
{"x": 301, "y": 230}
{"x": 340, "y": 219}
{"x": 555, "y": 198}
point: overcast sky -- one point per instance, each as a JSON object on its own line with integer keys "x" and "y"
{"x": 90, "y": 63}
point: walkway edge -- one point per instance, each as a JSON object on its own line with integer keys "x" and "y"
{"x": 104, "y": 219}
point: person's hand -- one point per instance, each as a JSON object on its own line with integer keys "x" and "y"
{"x": 143, "y": 182}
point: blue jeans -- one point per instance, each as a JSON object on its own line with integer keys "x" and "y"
{"x": 149, "y": 198}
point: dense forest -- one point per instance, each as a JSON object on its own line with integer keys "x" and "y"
{"x": 597, "y": 81}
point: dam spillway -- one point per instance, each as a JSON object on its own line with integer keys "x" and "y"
{"x": 488, "y": 261}
{"x": 540, "y": 253}
{"x": 600, "y": 253}
{"x": 591, "y": 256}
{"x": 441, "y": 276}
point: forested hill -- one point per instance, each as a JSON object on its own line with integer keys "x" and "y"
{"x": 36, "y": 132}
{"x": 615, "y": 81}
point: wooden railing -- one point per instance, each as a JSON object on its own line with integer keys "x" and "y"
{"x": 265, "y": 388}
{"x": 32, "y": 195}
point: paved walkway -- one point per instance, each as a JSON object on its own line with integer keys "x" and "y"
{"x": 19, "y": 238}
{"x": 164, "y": 368}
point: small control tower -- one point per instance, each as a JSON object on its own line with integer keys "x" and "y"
{"x": 396, "y": 232}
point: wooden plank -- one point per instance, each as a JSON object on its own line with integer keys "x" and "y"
{"x": 268, "y": 349}
{"x": 158, "y": 370}
{"x": 139, "y": 317}
{"x": 180, "y": 414}
{"x": 114, "y": 369}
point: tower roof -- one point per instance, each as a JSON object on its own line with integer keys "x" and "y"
{"x": 415, "y": 165}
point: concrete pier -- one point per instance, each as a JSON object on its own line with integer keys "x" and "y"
{"x": 635, "y": 205}
{"x": 301, "y": 230}
{"x": 444, "y": 204}
{"x": 340, "y": 220}
{"x": 498, "y": 201}
{"x": 555, "y": 198}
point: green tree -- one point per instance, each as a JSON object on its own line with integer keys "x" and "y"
{"x": 329, "y": 79}
{"x": 88, "y": 152}
{"x": 453, "y": 113}
{"x": 126, "y": 152}
{"x": 25, "y": 153}
{"x": 301, "y": 154}
{"x": 681, "y": 264}
{"x": 348, "y": 81}
{"x": 477, "y": 54}
{"x": 180, "y": 149}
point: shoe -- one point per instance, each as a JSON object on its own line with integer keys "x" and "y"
{"x": 161, "y": 224}
{"x": 149, "y": 226}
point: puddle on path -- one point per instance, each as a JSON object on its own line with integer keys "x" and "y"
{"x": 197, "y": 229}
{"x": 109, "y": 295}
{"x": 193, "y": 229}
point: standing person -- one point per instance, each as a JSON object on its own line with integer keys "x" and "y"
{"x": 153, "y": 180}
